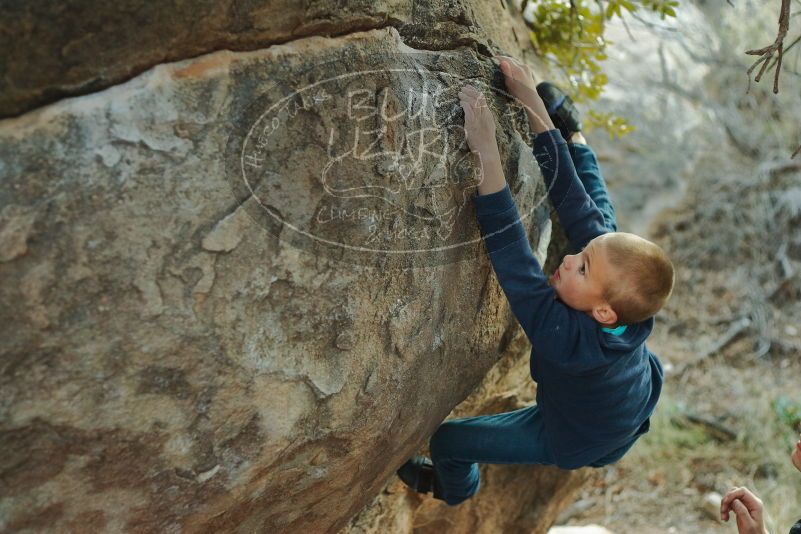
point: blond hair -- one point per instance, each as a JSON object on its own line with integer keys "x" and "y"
{"x": 645, "y": 277}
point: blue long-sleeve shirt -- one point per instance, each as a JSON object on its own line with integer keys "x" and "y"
{"x": 596, "y": 390}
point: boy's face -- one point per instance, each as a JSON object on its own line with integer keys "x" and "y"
{"x": 580, "y": 280}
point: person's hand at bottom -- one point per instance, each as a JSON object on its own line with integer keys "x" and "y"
{"x": 747, "y": 508}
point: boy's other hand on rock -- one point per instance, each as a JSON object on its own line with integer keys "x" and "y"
{"x": 521, "y": 84}
{"x": 479, "y": 122}
{"x": 519, "y": 78}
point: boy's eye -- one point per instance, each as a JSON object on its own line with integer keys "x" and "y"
{"x": 581, "y": 269}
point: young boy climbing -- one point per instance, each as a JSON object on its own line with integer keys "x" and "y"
{"x": 597, "y": 382}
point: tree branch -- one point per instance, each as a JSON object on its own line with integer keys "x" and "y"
{"x": 767, "y": 52}
{"x": 777, "y": 46}
{"x": 797, "y": 39}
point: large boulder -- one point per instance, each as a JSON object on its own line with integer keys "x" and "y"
{"x": 239, "y": 290}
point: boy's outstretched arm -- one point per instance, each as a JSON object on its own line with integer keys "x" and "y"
{"x": 547, "y": 322}
{"x": 589, "y": 172}
{"x": 550, "y": 325}
{"x": 580, "y": 217}
{"x": 578, "y": 214}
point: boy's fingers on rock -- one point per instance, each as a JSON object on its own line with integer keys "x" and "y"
{"x": 510, "y": 60}
{"x": 518, "y": 70}
{"x": 476, "y": 99}
{"x": 469, "y": 102}
{"x": 514, "y": 73}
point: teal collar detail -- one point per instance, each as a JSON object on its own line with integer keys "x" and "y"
{"x": 616, "y": 331}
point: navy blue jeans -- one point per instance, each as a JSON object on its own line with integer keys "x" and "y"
{"x": 457, "y": 446}
{"x": 516, "y": 437}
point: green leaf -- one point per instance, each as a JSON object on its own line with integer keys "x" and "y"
{"x": 575, "y": 42}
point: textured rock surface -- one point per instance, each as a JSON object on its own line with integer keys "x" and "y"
{"x": 75, "y": 47}
{"x": 168, "y": 362}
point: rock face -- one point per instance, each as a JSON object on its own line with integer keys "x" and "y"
{"x": 240, "y": 290}
{"x": 76, "y": 47}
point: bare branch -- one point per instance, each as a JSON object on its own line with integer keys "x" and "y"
{"x": 651, "y": 24}
{"x": 791, "y": 45}
{"x": 627, "y": 29}
{"x": 777, "y": 47}
{"x": 736, "y": 329}
{"x": 767, "y": 52}
{"x": 712, "y": 427}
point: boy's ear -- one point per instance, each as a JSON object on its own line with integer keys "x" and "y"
{"x": 604, "y": 314}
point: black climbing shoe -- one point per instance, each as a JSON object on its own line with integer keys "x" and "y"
{"x": 418, "y": 474}
{"x": 560, "y": 108}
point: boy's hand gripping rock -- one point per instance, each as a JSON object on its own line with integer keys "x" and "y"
{"x": 479, "y": 122}
{"x": 521, "y": 84}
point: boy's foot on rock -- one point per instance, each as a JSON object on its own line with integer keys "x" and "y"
{"x": 418, "y": 474}
{"x": 560, "y": 108}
